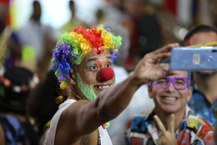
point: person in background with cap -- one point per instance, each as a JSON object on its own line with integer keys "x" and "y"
{"x": 15, "y": 85}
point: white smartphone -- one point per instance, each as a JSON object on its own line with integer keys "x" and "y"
{"x": 194, "y": 58}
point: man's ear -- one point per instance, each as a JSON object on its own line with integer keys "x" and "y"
{"x": 72, "y": 76}
{"x": 190, "y": 92}
{"x": 150, "y": 88}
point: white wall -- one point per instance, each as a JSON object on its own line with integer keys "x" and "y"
{"x": 55, "y": 12}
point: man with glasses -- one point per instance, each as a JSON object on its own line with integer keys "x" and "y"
{"x": 171, "y": 121}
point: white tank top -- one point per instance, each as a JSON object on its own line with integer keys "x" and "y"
{"x": 51, "y": 132}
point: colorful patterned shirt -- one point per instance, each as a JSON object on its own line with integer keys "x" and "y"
{"x": 193, "y": 131}
{"x": 201, "y": 106}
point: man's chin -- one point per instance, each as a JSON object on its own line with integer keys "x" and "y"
{"x": 97, "y": 92}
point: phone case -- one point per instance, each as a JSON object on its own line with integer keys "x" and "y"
{"x": 194, "y": 58}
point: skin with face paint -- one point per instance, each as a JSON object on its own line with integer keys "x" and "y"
{"x": 78, "y": 124}
{"x": 89, "y": 70}
{"x": 85, "y": 82}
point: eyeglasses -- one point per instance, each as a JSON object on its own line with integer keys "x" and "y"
{"x": 179, "y": 83}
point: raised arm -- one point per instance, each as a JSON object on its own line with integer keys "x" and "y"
{"x": 84, "y": 117}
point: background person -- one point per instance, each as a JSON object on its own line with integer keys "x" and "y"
{"x": 204, "y": 82}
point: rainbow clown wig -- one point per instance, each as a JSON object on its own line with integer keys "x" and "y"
{"x": 73, "y": 46}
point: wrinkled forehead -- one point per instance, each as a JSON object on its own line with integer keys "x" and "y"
{"x": 178, "y": 73}
{"x": 166, "y": 66}
{"x": 93, "y": 55}
{"x": 203, "y": 38}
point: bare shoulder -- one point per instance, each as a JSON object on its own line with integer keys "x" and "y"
{"x": 73, "y": 110}
{"x": 74, "y": 121}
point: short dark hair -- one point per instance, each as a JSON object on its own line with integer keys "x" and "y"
{"x": 71, "y": 3}
{"x": 198, "y": 29}
{"x": 35, "y": 3}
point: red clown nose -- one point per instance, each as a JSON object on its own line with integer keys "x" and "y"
{"x": 106, "y": 74}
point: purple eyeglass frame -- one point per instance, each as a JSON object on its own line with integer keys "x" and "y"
{"x": 171, "y": 79}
